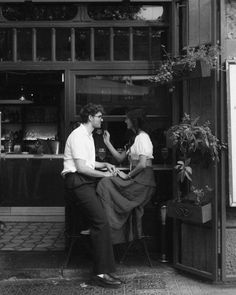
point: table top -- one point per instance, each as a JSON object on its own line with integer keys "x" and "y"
{"x": 158, "y": 167}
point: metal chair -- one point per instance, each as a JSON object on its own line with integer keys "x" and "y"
{"x": 141, "y": 240}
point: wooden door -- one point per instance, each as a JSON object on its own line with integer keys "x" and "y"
{"x": 195, "y": 246}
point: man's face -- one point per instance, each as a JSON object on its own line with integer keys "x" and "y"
{"x": 97, "y": 120}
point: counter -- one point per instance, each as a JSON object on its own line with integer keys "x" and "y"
{"x": 35, "y": 180}
{"x": 156, "y": 167}
{"x": 31, "y": 180}
{"x": 30, "y": 156}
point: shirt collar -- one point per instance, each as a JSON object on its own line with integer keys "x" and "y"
{"x": 86, "y": 131}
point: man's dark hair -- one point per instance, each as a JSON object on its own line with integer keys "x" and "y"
{"x": 90, "y": 109}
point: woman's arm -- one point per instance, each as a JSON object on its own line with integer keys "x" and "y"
{"x": 118, "y": 156}
{"x": 138, "y": 168}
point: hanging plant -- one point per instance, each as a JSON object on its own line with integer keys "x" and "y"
{"x": 175, "y": 68}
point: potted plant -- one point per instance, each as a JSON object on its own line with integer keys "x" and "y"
{"x": 196, "y": 145}
{"x": 194, "y": 62}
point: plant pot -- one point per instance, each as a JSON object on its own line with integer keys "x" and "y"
{"x": 202, "y": 69}
{"x": 190, "y": 212}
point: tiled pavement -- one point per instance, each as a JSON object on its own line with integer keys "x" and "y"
{"x": 37, "y": 270}
{"x": 32, "y": 236}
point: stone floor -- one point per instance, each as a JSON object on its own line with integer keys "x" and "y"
{"x": 39, "y": 273}
{"x": 32, "y": 258}
{"x": 32, "y": 236}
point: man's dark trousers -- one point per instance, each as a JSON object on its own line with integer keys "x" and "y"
{"x": 84, "y": 193}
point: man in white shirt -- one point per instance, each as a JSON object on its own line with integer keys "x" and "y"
{"x": 81, "y": 177}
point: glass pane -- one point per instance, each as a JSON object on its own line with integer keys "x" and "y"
{"x": 63, "y": 44}
{"x": 151, "y": 13}
{"x": 128, "y": 12}
{"x": 5, "y": 44}
{"x": 43, "y": 44}
{"x": 102, "y": 44}
{"x": 38, "y": 12}
{"x": 121, "y": 43}
{"x": 159, "y": 37}
{"x": 118, "y": 94}
{"x": 82, "y": 44}
{"x": 141, "y": 43}
{"x": 24, "y": 44}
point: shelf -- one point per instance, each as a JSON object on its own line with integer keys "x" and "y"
{"x": 10, "y": 122}
{"x": 15, "y": 101}
{"x": 40, "y": 123}
{"x": 29, "y": 123}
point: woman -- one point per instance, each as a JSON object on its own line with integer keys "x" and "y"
{"x": 122, "y": 193}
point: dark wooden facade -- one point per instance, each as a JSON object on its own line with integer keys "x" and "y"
{"x": 207, "y": 250}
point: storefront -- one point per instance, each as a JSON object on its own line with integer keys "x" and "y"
{"x": 56, "y": 57}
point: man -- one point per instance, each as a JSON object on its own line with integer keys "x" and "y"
{"x": 81, "y": 177}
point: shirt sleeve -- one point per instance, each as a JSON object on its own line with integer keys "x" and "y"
{"x": 78, "y": 150}
{"x": 143, "y": 145}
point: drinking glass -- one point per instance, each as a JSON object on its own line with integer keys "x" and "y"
{"x": 120, "y": 150}
{"x": 102, "y": 153}
{"x": 164, "y": 154}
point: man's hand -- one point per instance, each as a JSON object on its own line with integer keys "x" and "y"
{"x": 111, "y": 168}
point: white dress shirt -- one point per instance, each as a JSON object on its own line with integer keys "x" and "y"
{"x": 79, "y": 145}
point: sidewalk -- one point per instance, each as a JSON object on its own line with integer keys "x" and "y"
{"x": 32, "y": 256}
{"x": 39, "y": 273}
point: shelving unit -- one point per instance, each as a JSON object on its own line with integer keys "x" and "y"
{"x": 26, "y": 122}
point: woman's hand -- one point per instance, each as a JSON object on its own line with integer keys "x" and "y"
{"x": 108, "y": 174}
{"x": 106, "y": 137}
{"x": 123, "y": 175}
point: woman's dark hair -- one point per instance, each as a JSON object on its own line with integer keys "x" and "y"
{"x": 90, "y": 109}
{"x": 138, "y": 120}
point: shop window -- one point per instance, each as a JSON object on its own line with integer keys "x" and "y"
{"x": 102, "y": 44}
{"x": 6, "y": 44}
{"x": 147, "y": 43}
{"x": 118, "y": 94}
{"x": 141, "y": 43}
{"x": 128, "y": 12}
{"x": 24, "y": 44}
{"x": 121, "y": 43}
{"x": 44, "y": 42}
{"x": 38, "y": 12}
{"x": 158, "y": 38}
{"x": 63, "y": 44}
{"x": 119, "y": 91}
{"x": 82, "y": 44}
{"x": 146, "y": 28}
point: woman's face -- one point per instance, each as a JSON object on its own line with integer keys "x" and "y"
{"x": 128, "y": 123}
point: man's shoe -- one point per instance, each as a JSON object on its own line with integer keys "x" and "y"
{"x": 107, "y": 281}
{"x": 116, "y": 278}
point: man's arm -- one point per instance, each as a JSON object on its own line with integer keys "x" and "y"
{"x": 108, "y": 166}
{"x": 84, "y": 169}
